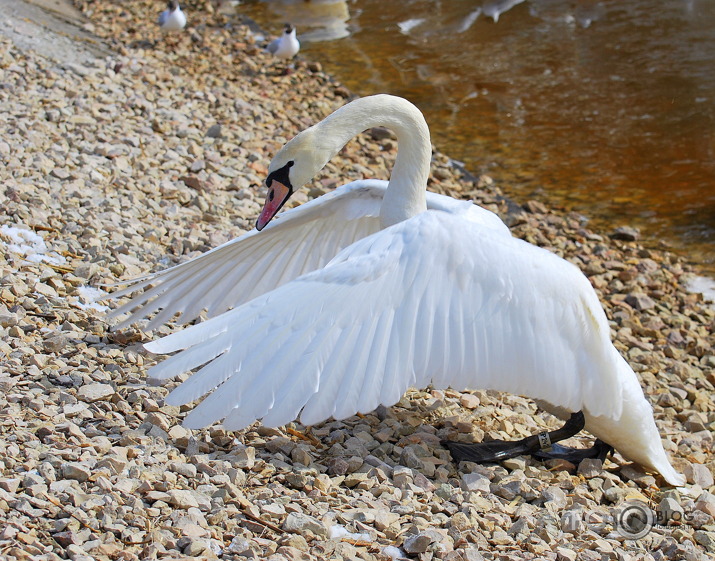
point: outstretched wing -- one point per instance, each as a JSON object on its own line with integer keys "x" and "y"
{"x": 435, "y": 300}
{"x": 298, "y": 241}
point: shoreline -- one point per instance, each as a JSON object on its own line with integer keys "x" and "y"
{"x": 158, "y": 156}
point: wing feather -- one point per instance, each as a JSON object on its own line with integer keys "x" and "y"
{"x": 322, "y": 404}
{"x": 404, "y": 306}
{"x": 348, "y": 397}
{"x": 375, "y": 365}
{"x": 301, "y": 240}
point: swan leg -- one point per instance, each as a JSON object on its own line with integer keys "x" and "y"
{"x": 540, "y": 445}
{"x": 599, "y": 451}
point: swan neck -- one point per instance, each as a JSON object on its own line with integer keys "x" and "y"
{"x": 406, "y": 192}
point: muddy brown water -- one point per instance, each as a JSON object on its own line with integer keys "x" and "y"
{"x": 606, "y": 108}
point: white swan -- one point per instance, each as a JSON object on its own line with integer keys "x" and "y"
{"x": 172, "y": 19}
{"x": 286, "y": 46}
{"x": 343, "y": 303}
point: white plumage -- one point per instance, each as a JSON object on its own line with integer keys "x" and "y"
{"x": 286, "y": 46}
{"x": 300, "y": 240}
{"x": 172, "y": 19}
{"x": 343, "y": 303}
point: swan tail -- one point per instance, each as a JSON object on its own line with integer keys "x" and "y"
{"x": 633, "y": 432}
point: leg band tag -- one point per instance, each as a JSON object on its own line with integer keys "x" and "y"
{"x": 544, "y": 440}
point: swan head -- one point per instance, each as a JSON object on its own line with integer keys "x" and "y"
{"x": 292, "y": 167}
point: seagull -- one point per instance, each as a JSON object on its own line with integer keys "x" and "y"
{"x": 172, "y": 19}
{"x": 286, "y": 46}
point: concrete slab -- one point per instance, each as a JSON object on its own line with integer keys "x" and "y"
{"x": 52, "y": 28}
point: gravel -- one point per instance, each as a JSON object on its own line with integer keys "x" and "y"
{"x": 128, "y": 164}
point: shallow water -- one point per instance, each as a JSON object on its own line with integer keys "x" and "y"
{"x": 607, "y": 108}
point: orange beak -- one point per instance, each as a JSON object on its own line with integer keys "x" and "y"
{"x": 277, "y": 196}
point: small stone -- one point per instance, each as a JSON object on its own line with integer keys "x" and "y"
{"x": 471, "y": 553}
{"x": 77, "y": 471}
{"x": 640, "y": 302}
{"x": 274, "y": 510}
{"x": 670, "y": 509}
{"x": 195, "y": 547}
{"x": 556, "y": 496}
{"x": 535, "y": 207}
{"x": 193, "y": 182}
{"x": 66, "y": 538}
{"x": 8, "y": 533}
{"x": 95, "y": 392}
{"x": 513, "y": 464}
{"x": 197, "y": 165}
{"x": 520, "y": 527}
{"x": 177, "y": 433}
{"x": 354, "y": 479}
{"x": 245, "y": 458}
{"x": 381, "y": 133}
{"x": 342, "y": 91}
{"x": 563, "y": 554}
{"x": 500, "y": 537}
{"x": 444, "y": 491}
{"x": 706, "y": 503}
{"x": 238, "y": 545}
{"x": 114, "y": 463}
{"x": 626, "y": 233}
{"x": 297, "y": 480}
{"x": 214, "y": 131}
{"x": 402, "y": 476}
{"x": 159, "y": 420}
{"x": 60, "y": 173}
{"x": 354, "y": 463}
{"x": 322, "y": 482}
{"x": 469, "y": 401}
{"x": 706, "y": 539}
{"x": 416, "y": 544}
{"x": 55, "y": 344}
{"x": 11, "y": 485}
{"x": 337, "y": 466}
{"x": 299, "y": 523}
{"x": 423, "y": 482}
{"x": 82, "y": 120}
{"x": 384, "y": 519}
{"x": 475, "y": 482}
{"x": 301, "y": 456}
{"x": 186, "y": 469}
{"x": 295, "y": 541}
{"x": 410, "y": 459}
{"x": 590, "y": 467}
{"x": 698, "y": 474}
{"x": 182, "y": 498}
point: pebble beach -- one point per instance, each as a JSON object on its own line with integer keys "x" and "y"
{"x": 154, "y": 149}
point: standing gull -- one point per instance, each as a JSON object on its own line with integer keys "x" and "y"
{"x": 287, "y": 45}
{"x": 172, "y": 19}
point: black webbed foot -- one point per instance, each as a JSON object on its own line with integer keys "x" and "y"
{"x": 540, "y": 445}
{"x": 487, "y": 452}
{"x": 599, "y": 450}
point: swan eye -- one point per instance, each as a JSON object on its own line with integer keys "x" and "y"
{"x": 282, "y": 177}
